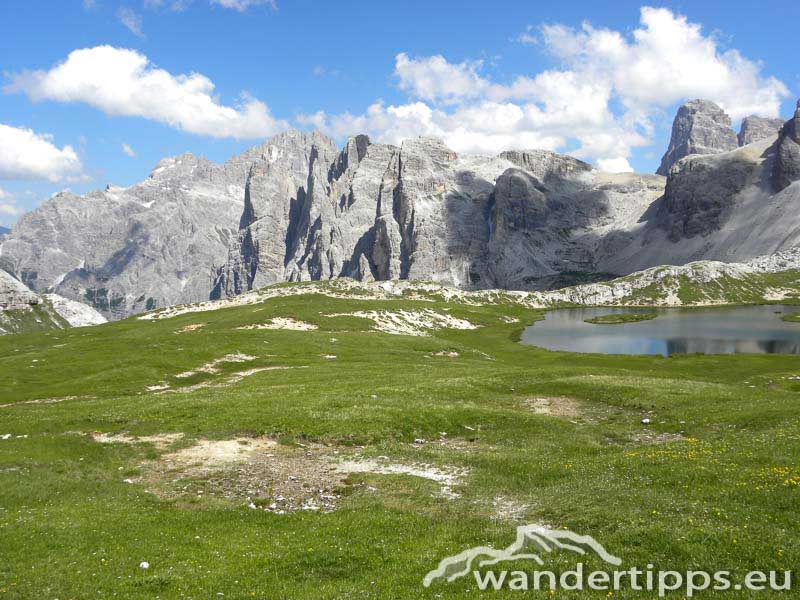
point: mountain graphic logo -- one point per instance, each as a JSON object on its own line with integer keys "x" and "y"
{"x": 531, "y": 542}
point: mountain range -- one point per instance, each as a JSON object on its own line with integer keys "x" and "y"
{"x": 297, "y": 208}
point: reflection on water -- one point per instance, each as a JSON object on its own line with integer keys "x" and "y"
{"x": 738, "y": 330}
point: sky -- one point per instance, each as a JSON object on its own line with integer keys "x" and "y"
{"x": 94, "y": 92}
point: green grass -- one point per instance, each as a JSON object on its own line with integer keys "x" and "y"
{"x": 39, "y": 317}
{"x": 620, "y": 318}
{"x": 724, "y": 496}
{"x": 792, "y": 318}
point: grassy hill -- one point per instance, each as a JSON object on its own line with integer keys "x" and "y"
{"x": 283, "y": 446}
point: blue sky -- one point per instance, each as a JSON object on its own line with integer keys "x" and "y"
{"x": 599, "y": 80}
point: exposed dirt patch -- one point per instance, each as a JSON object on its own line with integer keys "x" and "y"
{"x": 191, "y": 327}
{"x": 283, "y": 323}
{"x": 225, "y": 381}
{"x": 556, "y": 406}
{"x": 446, "y": 477}
{"x": 447, "y": 353}
{"x": 265, "y": 475}
{"x": 655, "y": 437}
{"x": 160, "y": 440}
{"x": 213, "y": 366}
{"x": 209, "y": 454}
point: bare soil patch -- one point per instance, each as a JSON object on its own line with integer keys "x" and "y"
{"x": 265, "y": 475}
{"x": 556, "y": 406}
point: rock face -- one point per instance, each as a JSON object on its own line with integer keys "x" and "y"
{"x": 296, "y": 208}
{"x": 419, "y": 211}
{"x": 700, "y": 192}
{"x": 787, "y": 157}
{"x": 14, "y": 295}
{"x": 755, "y": 129}
{"x": 700, "y": 127}
{"x": 23, "y": 310}
{"x": 124, "y": 250}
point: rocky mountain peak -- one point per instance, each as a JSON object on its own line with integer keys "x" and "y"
{"x": 545, "y": 164}
{"x": 755, "y": 129}
{"x": 350, "y": 157}
{"x": 700, "y": 127}
{"x": 787, "y": 157}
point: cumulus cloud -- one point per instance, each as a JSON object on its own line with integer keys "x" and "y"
{"x": 614, "y": 165}
{"x": 128, "y": 150}
{"x": 667, "y": 59}
{"x": 433, "y": 78}
{"x": 25, "y": 154}
{"x": 119, "y": 81}
{"x": 131, "y": 20}
{"x": 600, "y": 102}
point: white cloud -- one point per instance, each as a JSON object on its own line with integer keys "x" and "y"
{"x": 243, "y": 5}
{"x": 599, "y": 103}
{"x": 435, "y": 79}
{"x": 667, "y": 59}
{"x": 131, "y": 20}
{"x": 615, "y": 165}
{"x": 25, "y": 154}
{"x": 318, "y": 71}
{"x": 119, "y": 81}
{"x": 128, "y": 150}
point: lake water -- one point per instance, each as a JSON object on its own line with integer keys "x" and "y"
{"x": 732, "y": 330}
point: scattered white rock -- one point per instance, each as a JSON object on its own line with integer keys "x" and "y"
{"x": 447, "y": 477}
{"x": 409, "y": 322}
{"x": 77, "y": 314}
{"x": 283, "y": 323}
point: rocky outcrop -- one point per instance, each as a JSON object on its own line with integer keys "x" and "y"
{"x": 125, "y": 250}
{"x": 14, "y": 295}
{"x": 278, "y": 195}
{"x": 22, "y": 310}
{"x": 700, "y": 193}
{"x": 700, "y": 127}
{"x": 755, "y": 129}
{"x": 787, "y": 154}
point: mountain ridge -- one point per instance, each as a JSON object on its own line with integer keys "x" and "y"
{"x": 297, "y": 208}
